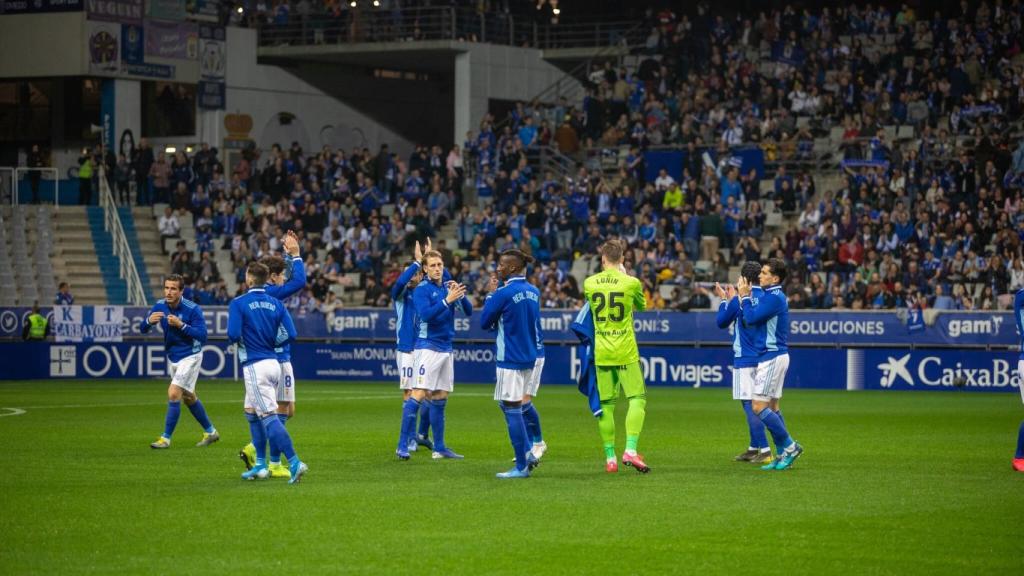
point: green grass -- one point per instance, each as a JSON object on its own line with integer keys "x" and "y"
{"x": 893, "y": 483}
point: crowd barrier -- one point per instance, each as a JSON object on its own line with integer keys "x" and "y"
{"x": 832, "y": 368}
{"x": 842, "y": 329}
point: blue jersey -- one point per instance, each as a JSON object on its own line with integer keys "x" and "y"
{"x": 745, "y": 337}
{"x": 296, "y": 282}
{"x": 514, "y": 312}
{"x": 405, "y": 309}
{"x": 1018, "y": 317}
{"x": 255, "y": 322}
{"x": 435, "y": 317}
{"x": 771, "y": 311}
{"x": 179, "y": 342}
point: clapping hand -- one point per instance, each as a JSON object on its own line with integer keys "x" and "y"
{"x": 455, "y": 291}
{"x": 492, "y": 285}
{"x": 743, "y": 287}
{"x": 291, "y": 244}
{"x": 418, "y": 252}
{"x": 720, "y": 292}
{"x": 174, "y": 322}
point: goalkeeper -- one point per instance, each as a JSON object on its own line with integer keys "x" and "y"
{"x": 613, "y": 296}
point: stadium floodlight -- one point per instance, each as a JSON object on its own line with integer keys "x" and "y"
{"x": 352, "y": 3}
{"x": 170, "y": 150}
{"x": 556, "y": 11}
{"x": 240, "y": 10}
{"x": 188, "y": 149}
{"x": 376, "y": 3}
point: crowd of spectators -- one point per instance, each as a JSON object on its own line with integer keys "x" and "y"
{"x": 929, "y": 219}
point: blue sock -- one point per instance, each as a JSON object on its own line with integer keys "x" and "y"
{"x": 532, "y": 419}
{"x": 275, "y": 455}
{"x": 199, "y": 413}
{"x": 758, "y": 438}
{"x": 171, "y": 421}
{"x": 277, "y": 434}
{"x": 779, "y": 412}
{"x": 424, "y": 426}
{"x": 259, "y": 437}
{"x": 409, "y": 410}
{"x": 777, "y": 428}
{"x": 437, "y": 423}
{"x": 1020, "y": 441}
{"x": 517, "y": 433}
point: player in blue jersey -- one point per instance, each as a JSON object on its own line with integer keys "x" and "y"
{"x": 771, "y": 311}
{"x": 513, "y": 311}
{"x": 436, "y": 302}
{"x": 405, "y": 342}
{"x": 260, "y": 324}
{"x": 1018, "y": 316}
{"x": 184, "y": 335}
{"x": 745, "y": 356}
{"x": 280, "y": 288}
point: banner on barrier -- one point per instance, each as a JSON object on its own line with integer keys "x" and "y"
{"x": 845, "y": 329}
{"x": 88, "y": 323}
{"x": 853, "y": 369}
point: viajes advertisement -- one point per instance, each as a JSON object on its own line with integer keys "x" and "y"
{"x": 165, "y": 39}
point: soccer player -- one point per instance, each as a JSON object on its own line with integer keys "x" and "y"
{"x": 259, "y": 324}
{"x": 745, "y": 356}
{"x": 436, "y": 302}
{"x": 513, "y": 311}
{"x": 278, "y": 288}
{"x": 613, "y": 296}
{"x": 184, "y": 335}
{"x": 1018, "y": 315}
{"x": 771, "y": 310}
{"x": 405, "y": 341}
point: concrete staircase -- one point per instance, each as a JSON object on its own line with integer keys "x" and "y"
{"x": 74, "y": 258}
{"x": 144, "y": 237}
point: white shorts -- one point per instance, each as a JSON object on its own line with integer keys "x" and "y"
{"x": 286, "y": 385}
{"x": 743, "y": 382}
{"x": 1020, "y": 378}
{"x": 434, "y": 370}
{"x": 511, "y": 384}
{"x": 261, "y": 379}
{"x": 185, "y": 372}
{"x": 771, "y": 374}
{"x": 533, "y": 384}
{"x": 406, "y": 369}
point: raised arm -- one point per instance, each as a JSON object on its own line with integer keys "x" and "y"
{"x": 768, "y": 306}
{"x": 403, "y": 280}
{"x": 727, "y": 312}
{"x": 294, "y": 284}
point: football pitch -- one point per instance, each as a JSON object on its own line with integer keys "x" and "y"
{"x": 891, "y": 483}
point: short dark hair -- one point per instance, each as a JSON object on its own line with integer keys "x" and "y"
{"x": 274, "y": 263}
{"x": 751, "y": 271}
{"x": 612, "y": 251}
{"x": 175, "y": 278}
{"x": 778, "y": 268}
{"x": 62, "y": 285}
{"x": 259, "y": 273}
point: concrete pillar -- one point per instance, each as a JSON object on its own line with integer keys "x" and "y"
{"x": 127, "y": 115}
{"x": 463, "y": 93}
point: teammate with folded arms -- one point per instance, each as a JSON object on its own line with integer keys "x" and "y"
{"x": 613, "y": 295}
{"x": 259, "y": 324}
{"x": 184, "y": 335}
{"x": 513, "y": 311}
{"x": 745, "y": 355}
{"x": 771, "y": 310}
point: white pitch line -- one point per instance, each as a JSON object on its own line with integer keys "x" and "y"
{"x": 12, "y": 412}
{"x": 136, "y": 404}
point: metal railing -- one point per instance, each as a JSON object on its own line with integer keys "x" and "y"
{"x": 122, "y": 250}
{"x": 42, "y": 172}
{"x": 361, "y": 25}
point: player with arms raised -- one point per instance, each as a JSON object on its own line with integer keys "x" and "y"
{"x": 184, "y": 335}
{"x": 613, "y": 296}
{"x": 259, "y": 324}
{"x": 278, "y": 288}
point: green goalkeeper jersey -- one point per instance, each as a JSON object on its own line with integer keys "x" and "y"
{"x": 613, "y": 296}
